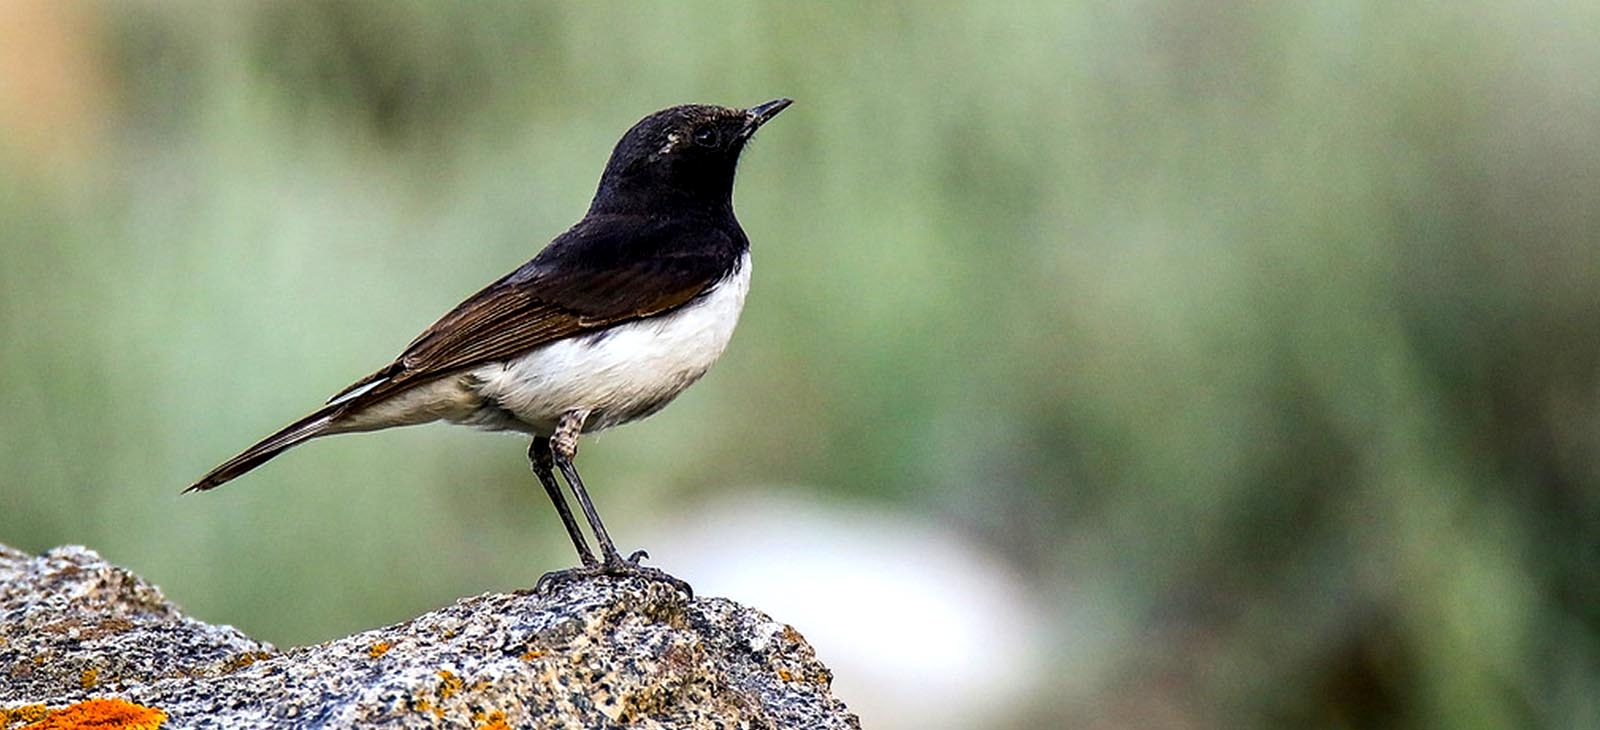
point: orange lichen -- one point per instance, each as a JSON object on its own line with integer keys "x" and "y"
{"x": 495, "y": 721}
{"x": 101, "y": 714}
{"x": 379, "y": 649}
{"x": 89, "y": 678}
{"x": 784, "y": 675}
{"x": 531, "y": 655}
{"x": 452, "y": 684}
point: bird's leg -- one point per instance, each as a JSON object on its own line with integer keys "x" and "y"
{"x": 539, "y": 458}
{"x": 564, "y": 447}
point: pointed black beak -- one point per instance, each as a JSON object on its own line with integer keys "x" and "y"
{"x": 758, "y": 115}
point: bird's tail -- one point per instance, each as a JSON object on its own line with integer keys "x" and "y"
{"x": 304, "y": 429}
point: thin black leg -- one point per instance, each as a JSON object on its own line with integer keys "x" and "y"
{"x": 608, "y": 549}
{"x": 539, "y": 457}
{"x": 563, "y": 448}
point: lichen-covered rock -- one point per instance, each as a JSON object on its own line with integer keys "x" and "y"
{"x": 601, "y": 654}
{"x": 73, "y": 626}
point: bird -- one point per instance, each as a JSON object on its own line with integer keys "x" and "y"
{"x": 605, "y": 325}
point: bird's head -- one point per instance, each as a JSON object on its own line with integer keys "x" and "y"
{"x": 685, "y": 155}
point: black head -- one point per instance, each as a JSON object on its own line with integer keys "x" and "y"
{"x": 683, "y": 156}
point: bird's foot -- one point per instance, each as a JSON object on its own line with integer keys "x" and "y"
{"x": 614, "y": 565}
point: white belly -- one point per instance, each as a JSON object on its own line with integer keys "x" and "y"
{"x": 624, "y": 373}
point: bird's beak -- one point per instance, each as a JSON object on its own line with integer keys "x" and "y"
{"x": 758, "y": 115}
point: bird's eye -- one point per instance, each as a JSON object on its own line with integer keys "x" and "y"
{"x": 707, "y": 136}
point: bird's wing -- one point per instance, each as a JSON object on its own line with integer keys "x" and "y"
{"x": 588, "y": 279}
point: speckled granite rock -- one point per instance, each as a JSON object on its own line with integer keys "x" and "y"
{"x": 606, "y": 653}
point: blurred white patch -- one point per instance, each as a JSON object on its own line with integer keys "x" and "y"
{"x": 921, "y": 627}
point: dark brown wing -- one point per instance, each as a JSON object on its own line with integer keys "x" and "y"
{"x": 509, "y": 320}
{"x": 584, "y": 281}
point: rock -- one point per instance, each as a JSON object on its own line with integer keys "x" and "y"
{"x": 76, "y": 631}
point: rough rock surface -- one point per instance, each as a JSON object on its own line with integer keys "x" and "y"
{"x": 605, "y": 653}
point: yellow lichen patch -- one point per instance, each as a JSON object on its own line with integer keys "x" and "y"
{"x": 494, "y": 721}
{"x": 821, "y": 677}
{"x": 531, "y": 655}
{"x": 89, "y": 678}
{"x": 379, "y": 649}
{"x": 22, "y": 715}
{"x": 451, "y": 685}
{"x": 77, "y": 629}
{"x": 244, "y": 660}
{"x": 102, "y": 714}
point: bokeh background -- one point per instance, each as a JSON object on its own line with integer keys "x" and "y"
{"x": 1157, "y": 364}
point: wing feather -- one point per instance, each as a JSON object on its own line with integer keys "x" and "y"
{"x": 607, "y": 275}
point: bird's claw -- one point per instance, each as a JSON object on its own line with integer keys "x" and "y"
{"x": 616, "y": 566}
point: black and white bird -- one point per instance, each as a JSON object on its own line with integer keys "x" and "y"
{"x": 606, "y": 325}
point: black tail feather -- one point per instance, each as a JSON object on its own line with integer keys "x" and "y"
{"x": 304, "y": 429}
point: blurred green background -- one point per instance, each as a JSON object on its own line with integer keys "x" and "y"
{"x": 1260, "y": 340}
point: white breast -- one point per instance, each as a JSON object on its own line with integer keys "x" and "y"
{"x": 621, "y": 374}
